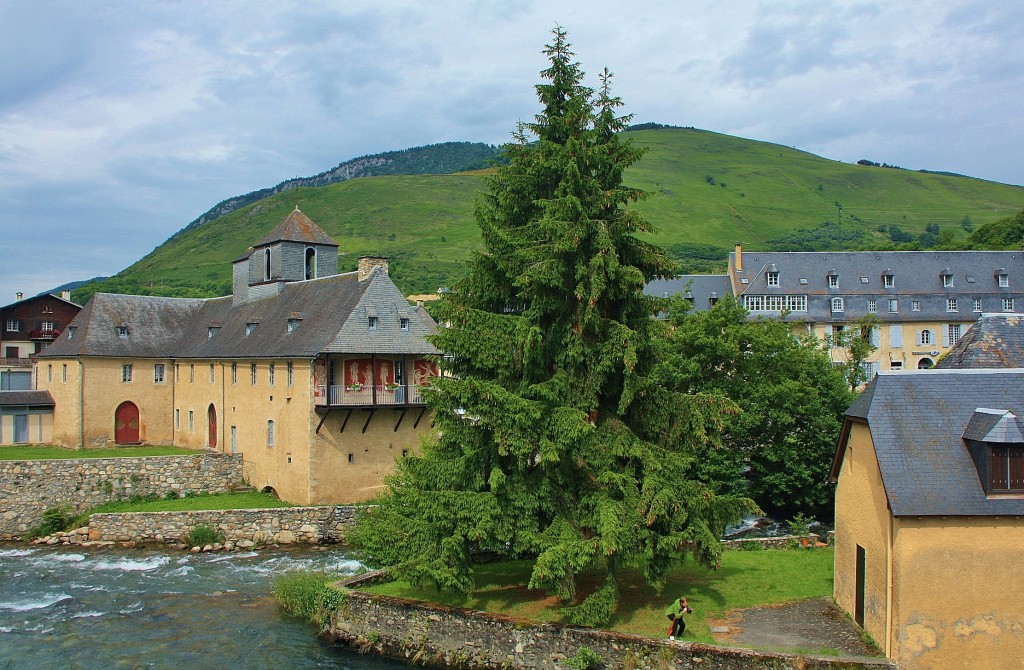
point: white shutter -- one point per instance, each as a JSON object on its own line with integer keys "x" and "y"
{"x": 874, "y": 336}
{"x": 945, "y": 335}
{"x": 828, "y": 333}
{"x": 919, "y": 337}
{"x": 896, "y": 335}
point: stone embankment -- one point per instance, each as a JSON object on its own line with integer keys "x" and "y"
{"x": 29, "y": 488}
{"x": 441, "y": 636}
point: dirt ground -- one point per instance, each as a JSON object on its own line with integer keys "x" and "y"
{"x": 806, "y": 626}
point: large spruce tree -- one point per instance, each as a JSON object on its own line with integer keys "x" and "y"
{"x": 553, "y": 441}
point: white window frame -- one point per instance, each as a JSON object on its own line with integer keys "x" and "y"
{"x": 888, "y": 281}
{"x": 126, "y": 373}
{"x": 953, "y": 331}
{"x": 925, "y": 337}
{"x": 872, "y": 306}
{"x": 234, "y": 373}
{"x": 947, "y": 281}
{"x": 48, "y": 326}
{"x": 290, "y": 371}
{"x": 915, "y": 305}
{"x": 833, "y": 281}
{"x": 1007, "y": 304}
{"x": 952, "y": 305}
{"x": 371, "y": 323}
{"x": 270, "y": 434}
{"x": 122, "y": 332}
{"x": 270, "y": 373}
{"x": 13, "y": 326}
{"x": 403, "y": 324}
{"x": 976, "y": 305}
{"x": 837, "y": 304}
{"x": 158, "y": 373}
{"x": 252, "y": 374}
{"x": 771, "y": 278}
{"x": 191, "y": 421}
{"x": 894, "y": 306}
{"x": 1003, "y": 281}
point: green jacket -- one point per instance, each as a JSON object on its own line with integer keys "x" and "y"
{"x": 675, "y": 609}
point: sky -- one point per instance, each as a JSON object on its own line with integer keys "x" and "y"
{"x": 121, "y": 121}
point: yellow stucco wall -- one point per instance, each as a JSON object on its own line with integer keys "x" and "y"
{"x": 956, "y": 600}
{"x": 62, "y": 378}
{"x": 909, "y": 353}
{"x": 862, "y": 518}
{"x": 40, "y": 428}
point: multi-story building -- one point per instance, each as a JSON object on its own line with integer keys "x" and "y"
{"x": 313, "y": 376}
{"x": 921, "y": 302}
{"x": 27, "y": 326}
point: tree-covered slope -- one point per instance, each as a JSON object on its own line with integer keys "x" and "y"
{"x": 707, "y": 192}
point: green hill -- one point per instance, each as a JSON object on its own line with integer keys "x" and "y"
{"x": 707, "y": 191}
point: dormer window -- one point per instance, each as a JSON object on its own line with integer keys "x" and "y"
{"x": 995, "y": 440}
{"x": 211, "y": 331}
{"x": 833, "y": 279}
{"x": 1002, "y": 279}
{"x": 250, "y": 328}
{"x": 713, "y": 298}
{"x": 71, "y": 332}
{"x": 293, "y": 324}
{"x": 888, "y": 279}
{"x": 122, "y": 332}
{"x": 403, "y": 324}
{"x": 947, "y": 278}
{"x": 771, "y": 275}
{"x": 371, "y": 323}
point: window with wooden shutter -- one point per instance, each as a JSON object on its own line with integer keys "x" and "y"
{"x": 1006, "y": 469}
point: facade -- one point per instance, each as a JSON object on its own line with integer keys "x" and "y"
{"x": 313, "y": 376}
{"x": 930, "y": 516}
{"x": 26, "y": 417}
{"x": 28, "y": 326}
{"x": 923, "y": 302}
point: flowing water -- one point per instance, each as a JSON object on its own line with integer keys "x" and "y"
{"x": 88, "y": 609}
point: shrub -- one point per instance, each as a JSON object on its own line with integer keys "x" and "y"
{"x": 203, "y": 535}
{"x": 309, "y": 596}
{"x": 585, "y": 659}
{"x": 55, "y": 520}
{"x": 171, "y": 495}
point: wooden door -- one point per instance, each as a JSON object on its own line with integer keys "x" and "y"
{"x": 211, "y": 415}
{"x": 126, "y": 423}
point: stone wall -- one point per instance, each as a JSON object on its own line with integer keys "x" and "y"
{"x": 28, "y": 488}
{"x": 441, "y": 636}
{"x": 241, "y": 527}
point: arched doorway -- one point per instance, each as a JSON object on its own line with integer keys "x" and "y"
{"x": 126, "y": 423}
{"x": 924, "y": 364}
{"x": 211, "y": 417}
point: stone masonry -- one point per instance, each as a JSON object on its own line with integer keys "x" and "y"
{"x": 28, "y": 488}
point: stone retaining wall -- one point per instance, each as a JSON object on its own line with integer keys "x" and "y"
{"x": 241, "y": 527}
{"x": 440, "y": 636}
{"x": 28, "y": 488}
{"x": 778, "y": 542}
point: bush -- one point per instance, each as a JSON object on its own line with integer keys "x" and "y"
{"x": 585, "y": 659}
{"x": 201, "y": 536}
{"x": 309, "y": 596}
{"x": 55, "y": 520}
{"x": 171, "y": 495}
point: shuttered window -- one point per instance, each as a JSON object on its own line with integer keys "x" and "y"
{"x": 1006, "y": 469}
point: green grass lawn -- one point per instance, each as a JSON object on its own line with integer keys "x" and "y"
{"x": 746, "y": 579}
{"x": 40, "y": 451}
{"x": 249, "y": 500}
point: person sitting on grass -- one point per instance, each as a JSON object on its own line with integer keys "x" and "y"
{"x": 675, "y": 614}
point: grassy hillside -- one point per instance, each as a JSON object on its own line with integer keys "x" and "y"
{"x": 707, "y": 191}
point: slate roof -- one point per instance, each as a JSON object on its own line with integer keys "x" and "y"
{"x": 916, "y": 276}
{"x": 25, "y": 399}
{"x": 917, "y": 421}
{"x": 994, "y": 341}
{"x": 320, "y": 311}
{"x": 297, "y": 227}
{"x": 701, "y": 288}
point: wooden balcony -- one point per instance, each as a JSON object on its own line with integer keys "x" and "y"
{"x": 369, "y": 399}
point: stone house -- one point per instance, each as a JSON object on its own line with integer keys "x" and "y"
{"x": 314, "y": 376}
{"x": 930, "y": 516}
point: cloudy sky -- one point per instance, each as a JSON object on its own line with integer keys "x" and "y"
{"x": 121, "y": 121}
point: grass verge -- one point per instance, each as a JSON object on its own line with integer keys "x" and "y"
{"x": 309, "y": 596}
{"x": 746, "y": 579}
{"x": 33, "y": 452}
{"x": 216, "y": 501}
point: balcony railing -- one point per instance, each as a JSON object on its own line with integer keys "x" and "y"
{"x": 340, "y": 395}
{"x": 16, "y": 362}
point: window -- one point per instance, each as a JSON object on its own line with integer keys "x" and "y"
{"x": 126, "y": 373}
{"x": 191, "y": 420}
{"x": 293, "y": 324}
{"x": 71, "y": 332}
{"x": 893, "y": 305}
{"x": 213, "y": 374}
{"x": 64, "y": 373}
{"x": 871, "y": 306}
{"x": 864, "y": 280}
{"x": 772, "y": 278}
{"x": 270, "y": 369}
{"x": 290, "y": 366}
{"x": 47, "y": 326}
{"x": 954, "y": 333}
{"x": 895, "y": 365}
{"x": 177, "y": 418}
{"x": 1007, "y": 304}
{"x": 211, "y": 331}
{"x": 49, "y": 373}
{"x": 270, "y": 433}
{"x": 310, "y": 263}
{"x": 13, "y": 325}
{"x": 266, "y": 264}
{"x": 888, "y": 281}
{"x": 191, "y": 373}
{"x": 1004, "y": 280}
{"x": 976, "y": 304}
{"x": 773, "y": 303}
{"x": 351, "y": 458}
{"x": 947, "y": 281}
{"x": 122, "y": 332}
{"x": 403, "y": 324}
{"x": 158, "y": 373}
{"x": 1006, "y": 469}
{"x": 372, "y": 323}
{"x": 833, "y": 281}
{"x": 915, "y": 305}
{"x": 250, "y": 328}
{"x": 252, "y": 374}
{"x": 234, "y": 373}
{"x": 837, "y": 304}
{"x": 951, "y": 305}
{"x": 925, "y": 337}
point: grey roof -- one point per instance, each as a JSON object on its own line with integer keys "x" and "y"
{"x": 994, "y": 341}
{"x": 700, "y": 287}
{"x": 325, "y": 315}
{"x": 994, "y": 425}
{"x": 918, "y": 420}
{"x": 297, "y": 227}
{"x": 916, "y": 276}
{"x": 25, "y": 399}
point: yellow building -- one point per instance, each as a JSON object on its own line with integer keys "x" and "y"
{"x": 922, "y": 301}
{"x": 313, "y": 376}
{"x": 930, "y": 517}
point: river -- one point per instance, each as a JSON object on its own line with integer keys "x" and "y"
{"x": 87, "y": 609}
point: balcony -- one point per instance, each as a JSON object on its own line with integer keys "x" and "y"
{"x": 40, "y": 334}
{"x": 16, "y": 362}
{"x": 369, "y": 396}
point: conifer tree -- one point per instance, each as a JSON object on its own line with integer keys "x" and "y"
{"x": 553, "y": 441}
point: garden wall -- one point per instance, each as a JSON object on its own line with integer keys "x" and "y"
{"x": 441, "y": 636}
{"x": 241, "y": 527}
{"x": 28, "y": 488}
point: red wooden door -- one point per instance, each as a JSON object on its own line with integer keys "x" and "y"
{"x": 211, "y": 415}
{"x": 126, "y": 423}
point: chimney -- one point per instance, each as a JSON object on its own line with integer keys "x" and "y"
{"x": 368, "y": 263}
{"x": 739, "y": 257}
{"x": 18, "y": 296}
{"x": 65, "y": 295}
